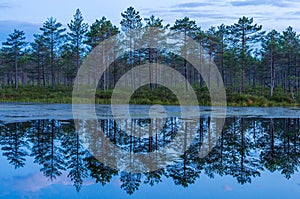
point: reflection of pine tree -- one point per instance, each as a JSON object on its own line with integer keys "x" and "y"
{"x": 212, "y": 163}
{"x": 97, "y": 170}
{"x": 158, "y": 138}
{"x": 218, "y": 160}
{"x": 279, "y": 145}
{"x": 184, "y": 171}
{"x": 47, "y": 150}
{"x": 266, "y": 141}
{"x": 74, "y": 154}
{"x": 288, "y": 160}
{"x": 246, "y": 146}
{"x": 14, "y": 143}
{"x": 130, "y": 182}
{"x": 244, "y": 164}
{"x": 101, "y": 173}
{"x": 235, "y": 153}
{"x": 154, "y": 177}
{"x": 36, "y": 138}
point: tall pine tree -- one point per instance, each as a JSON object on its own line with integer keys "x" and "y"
{"x": 13, "y": 48}
{"x": 243, "y": 36}
{"x": 78, "y": 30}
{"x": 53, "y": 37}
{"x": 188, "y": 28}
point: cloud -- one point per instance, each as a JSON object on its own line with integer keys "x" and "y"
{"x": 8, "y": 26}
{"x": 248, "y": 3}
{"x": 275, "y": 3}
{"x": 193, "y": 4}
{"x": 272, "y": 14}
{"x": 287, "y": 18}
{"x": 182, "y": 10}
{"x": 37, "y": 181}
{"x": 212, "y": 16}
{"x": 6, "y": 5}
{"x": 297, "y": 13}
{"x": 227, "y": 187}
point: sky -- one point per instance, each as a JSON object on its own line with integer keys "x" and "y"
{"x": 29, "y": 182}
{"x": 29, "y": 15}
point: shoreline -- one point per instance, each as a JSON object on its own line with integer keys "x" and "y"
{"x": 145, "y": 96}
{"x": 296, "y": 105}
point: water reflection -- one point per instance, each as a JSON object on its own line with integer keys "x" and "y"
{"x": 246, "y": 147}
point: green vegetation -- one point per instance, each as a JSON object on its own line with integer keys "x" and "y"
{"x": 63, "y": 94}
{"x": 36, "y": 94}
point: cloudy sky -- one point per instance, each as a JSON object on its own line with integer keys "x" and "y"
{"x": 28, "y": 15}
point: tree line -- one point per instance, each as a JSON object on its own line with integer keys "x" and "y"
{"x": 246, "y": 56}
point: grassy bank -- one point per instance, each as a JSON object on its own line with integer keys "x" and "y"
{"x": 252, "y": 97}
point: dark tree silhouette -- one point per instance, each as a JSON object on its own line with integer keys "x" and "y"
{"x": 14, "y": 143}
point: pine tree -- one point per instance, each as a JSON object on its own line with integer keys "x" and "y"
{"x": 271, "y": 50}
{"x": 290, "y": 49}
{"x": 39, "y": 52}
{"x": 131, "y": 21}
{"x": 154, "y": 36}
{"x": 188, "y": 28}
{"x": 99, "y": 31}
{"x": 13, "y": 48}
{"x": 243, "y": 36}
{"x": 78, "y": 30}
{"x": 221, "y": 34}
{"x": 53, "y": 37}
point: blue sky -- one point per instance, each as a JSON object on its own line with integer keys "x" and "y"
{"x": 28, "y": 15}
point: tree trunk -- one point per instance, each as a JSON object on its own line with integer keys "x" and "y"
{"x": 16, "y": 73}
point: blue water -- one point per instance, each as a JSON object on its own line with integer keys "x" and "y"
{"x": 257, "y": 156}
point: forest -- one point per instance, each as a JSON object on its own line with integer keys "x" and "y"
{"x": 257, "y": 67}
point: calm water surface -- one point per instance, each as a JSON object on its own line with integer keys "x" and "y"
{"x": 42, "y": 156}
